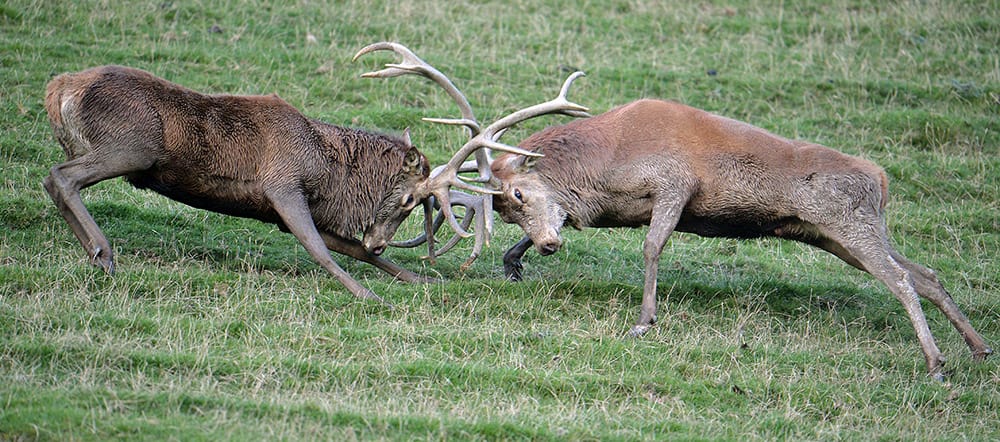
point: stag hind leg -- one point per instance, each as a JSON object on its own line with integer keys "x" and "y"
{"x": 865, "y": 245}
{"x": 64, "y": 184}
{"x": 930, "y": 288}
{"x": 926, "y": 284}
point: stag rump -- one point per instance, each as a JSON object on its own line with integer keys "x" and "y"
{"x": 674, "y": 167}
{"x": 249, "y": 156}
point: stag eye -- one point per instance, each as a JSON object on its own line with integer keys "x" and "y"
{"x": 408, "y": 200}
{"x": 518, "y": 196}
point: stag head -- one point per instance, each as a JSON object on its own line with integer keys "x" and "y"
{"x": 437, "y": 189}
{"x": 400, "y": 199}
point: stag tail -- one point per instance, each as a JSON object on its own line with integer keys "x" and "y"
{"x": 884, "y": 183}
{"x": 58, "y": 96}
{"x": 53, "y": 99}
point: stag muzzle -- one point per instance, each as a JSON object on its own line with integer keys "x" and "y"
{"x": 548, "y": 248}
{"x": 547, "y": 243}
{"x": 375, "y": 247}
{"x": 376, "y": 239}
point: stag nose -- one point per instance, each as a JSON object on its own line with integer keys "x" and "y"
{"x": 374, "y": 246}
{"x": 548, "y": 248}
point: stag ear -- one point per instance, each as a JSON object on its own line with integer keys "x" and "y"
{"x": 513, "y": 164}
{"x": 529, "y": 163}
{"x": 524, "y": 164}
{"x": 406, "y": 137}
{"x": 413, "y": 161}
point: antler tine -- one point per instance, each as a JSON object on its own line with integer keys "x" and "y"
{"x": 473, "y": 206}
{"x": 429, "y": 229}
{"x": 559, "y": 104}
{"x": 471, "y": 124}
{"x": 412, "y": 64}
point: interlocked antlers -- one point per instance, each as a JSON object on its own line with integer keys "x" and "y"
{"x": 481, "y": 140}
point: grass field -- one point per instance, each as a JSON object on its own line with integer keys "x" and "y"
{"x": 217, "y": 328}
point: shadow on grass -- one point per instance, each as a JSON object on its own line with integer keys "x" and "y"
{"x": 219, "y": 241}
{"x": 171, "y": 236}
{"x": 683, "y": 291}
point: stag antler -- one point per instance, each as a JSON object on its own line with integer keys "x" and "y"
{"x": 443, "y": 178}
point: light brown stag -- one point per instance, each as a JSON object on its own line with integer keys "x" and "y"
{"x": 674, "y": 167}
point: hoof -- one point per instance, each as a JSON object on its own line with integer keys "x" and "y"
{"x": 937, "y": 371}
{"x": 368, "y": 294}
{"x": 513, "y": 271}
{"x": 940, "y": 374}
{"x": 413, "y": 278}
{"x": 429, "y": 280}
{"x": 102, "y": 258}
{"x": 384, "y": 303}
{"x": 980, "y": 356}
{"x": 638, "y": 330}
{"x": 420, "y": 279}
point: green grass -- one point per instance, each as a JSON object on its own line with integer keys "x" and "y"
{"x": 220, "y": 328}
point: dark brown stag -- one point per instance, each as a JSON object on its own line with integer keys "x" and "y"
{"x": 249, "y": 156}
{"x": 674, "y": 167}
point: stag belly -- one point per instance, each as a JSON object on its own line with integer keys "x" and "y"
{"x": 217, "y": 194}
{"x": 743, "y": 208}
{"x": 734, "y": 227}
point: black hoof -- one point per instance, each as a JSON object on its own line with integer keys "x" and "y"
{"x": 513, "y": 271}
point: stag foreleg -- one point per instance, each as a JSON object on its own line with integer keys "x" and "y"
{"x": 354, "y": 249}
{"x": 294, "y": 212}
{"x": 512, "y": 267}
{"x": 666, "y": 215}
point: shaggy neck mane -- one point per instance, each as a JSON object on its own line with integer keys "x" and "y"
{"x": 368, "y": 167}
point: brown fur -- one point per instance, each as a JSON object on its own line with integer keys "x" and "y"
{"x": 250, "y": 156}
{"x": 674, "y": 167}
